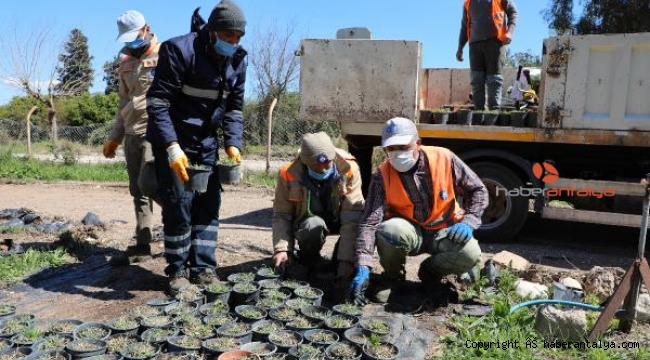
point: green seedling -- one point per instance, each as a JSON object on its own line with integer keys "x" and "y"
{"x": 156, "y": 321}
{"x": 64, "y": 327}
{"x": 220, "y": 319}
{"x": 115, "y": 344}
{"x": 222, "y": 344}
{"x": 143, "y": 311}
{"x": 83, "y": 346}
{"x": 158, "y": 335}
{"x": 293, "y": 284}
{"x": 349, "y": 309}
{"x": 343, "y": 351}
{"x": 376, "y": 326}
{"x": 236, "y": 329}
{"x": 242, "y": 277}
{"x": 268, "y": 327}
{"x": 298, "y": 303}
{"x": 284, "y": 338}
{"x": 319, "y": 314}
{"x": 6, "y": 309}
{"x": 29, "y": 335}
{"x": 379, "y": 349}
{"x": 219, "y": 288}
{"x": 284, "y": 313}
{"x": 216, "y": 307}
{"x": 188, "y": 342}
{"x": 309, "y": 292}
{"x": 339, "y": 322}
{"x": 245, "y": 287}
{"x": 139, "y": 350}
{"x": 125, "y": 322}
{"x": 306, "y": 349}
{"x": 252, "y": 313}
{"x": 323, "y": 337}
{"x": 199, "y": 330}
{"x": 92, "y": 333}
{"x": 269, "y": 303}
{"x": 301, "y": 322}
{"x": 274, "y": 293}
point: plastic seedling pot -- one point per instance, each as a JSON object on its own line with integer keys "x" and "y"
{"x": 199, "y": 176}
{"x": 261, "y": 349}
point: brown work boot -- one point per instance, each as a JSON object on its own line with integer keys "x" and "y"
{"x": 177, "y": 281}
{"x": 383, "y": 289}
{"x": 132, "y": 255}
{"x": 205, "y": 277}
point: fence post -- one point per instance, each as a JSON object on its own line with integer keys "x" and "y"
{"x": 29, "y": 130}
{"x": 269, "y": 129}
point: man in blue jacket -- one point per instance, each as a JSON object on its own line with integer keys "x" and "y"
{"x": 198, "y": 88}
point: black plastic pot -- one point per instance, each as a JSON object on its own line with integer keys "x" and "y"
{"x": 64, "y": 326}
{"x": 133, "y": 327}
{"x": 158, "y": 336}
{"x": 283, "y": 314}
{"x": 23, "y": 351}
{"x": 259, "y": 334}
{"x": 191, "y": 293}
{"x": 116, "y": 342}
{"x": 440, "y": 117}
{"x": 356, "y": 336}
{"x": 5, "y": 343}
{"x": 81, "y": 331}
{"x": 52, "y": 342}
{"x": 239, "y": 296}
{"x": 348, "y": 309}
{"x": 127, "y": 351}
{"x": 213, "y": 308}
{"x": 241, "y": 277}
{"x": 270, "y": 284}
{"x": 464, "y": 117}
{"x": 155, "y": 322}
{"x": 531, "y": 119}
{"x": 243, "y": 333}
{"x": 266, "y": 273}
{"x": 305, "y": 349}
{"x": 211, "y": 352}
{"x": 314, "y": 312}
{"x": 369, "y": 326}
{"x": 330, "y": 323}
{"x": 228, "y": 173}
{"x": 368, "y": 355}
{"x": 330, "y": 351}
{"x": 293, "y": 325}
{"x": 19, "y": 340}
{"x": 174, "y": 345}
{"x": 49, "y": 355}
{"x": 241, "y": 310}
{"x": 220, "y": 292}
{"x": 72, "y": 348}
{"x": 318, "y": 337}
{"x": 144, "y": 311}
{"x": 7, "y": 310}
{"x": 280, "y": 293}
{"x": 276, "y": 336}
{"x": 293, "y": 284}
{"x": 262, "y": 349}
{"x": 490, "y": 118}
{"x": 177, "y": 308}
{"x": 518, "y": 119}
{"x": 161, "y": 302}
{"x": 310, "y": 293}
{"x": 298, "y": 303}
{"x": 219, "y": 319}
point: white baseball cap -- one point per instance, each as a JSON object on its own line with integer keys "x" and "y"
{"x": 129, "y": 25}
{"x": 398, "y": 131}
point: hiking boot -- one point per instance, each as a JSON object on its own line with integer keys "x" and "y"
{"x": 177, "y": 281}
{"x": 205, "y": 277}
{"x": 132, "y": 255}
{"x": 383, "y": 290}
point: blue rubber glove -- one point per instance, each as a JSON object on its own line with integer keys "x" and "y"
{"x": 460, "y": 234}
{"x": 359, "y": 285}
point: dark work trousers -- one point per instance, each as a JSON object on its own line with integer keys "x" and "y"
{"x": 190, "y": 220}
{"x": 486, "y": 61}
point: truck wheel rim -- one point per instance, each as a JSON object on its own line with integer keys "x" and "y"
{"x": 499, "y": 208}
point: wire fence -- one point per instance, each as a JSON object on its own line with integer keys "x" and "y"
{"x": 285, "y": 135}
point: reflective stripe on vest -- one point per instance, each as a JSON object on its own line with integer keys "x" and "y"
{"x": 445, "y": 211}
{"x": 293, "y": 184}
{"x": 498, "y": 18}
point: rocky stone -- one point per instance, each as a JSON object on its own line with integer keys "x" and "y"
{"x": 643, "y": 309}
{"x": 571, "y": 283}
{"x": 505, "y": 259}
{"x": 602, "y": 281}
{"x": 563, "y": 325}
{"x": 527, "y": 289}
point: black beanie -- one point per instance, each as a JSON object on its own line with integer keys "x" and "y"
{"x": 226, "y": 16}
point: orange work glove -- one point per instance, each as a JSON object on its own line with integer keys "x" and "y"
{"x": 109, "y": 148}
{"x": 233, "y": 153}
{"x": 178, "y": 162}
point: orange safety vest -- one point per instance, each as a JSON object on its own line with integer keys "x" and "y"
{"x": 445, "y": 211}
{"x": 498, "y": 17}
{"x": 293, "y": 183}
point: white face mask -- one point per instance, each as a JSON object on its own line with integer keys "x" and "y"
{"x": 402, "y": 160}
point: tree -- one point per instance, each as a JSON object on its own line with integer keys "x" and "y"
{"x": 524, "y": 58}
{"x": 26, "y": 65}
{"x": 75, "y": 74}
{"x": 111, "y": 76}
{"x": 599, "y": 16}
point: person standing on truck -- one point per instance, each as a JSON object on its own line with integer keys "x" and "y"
{"x": 198, "y": 89}
{"x": 317, "y": 194}
{"x": 488, "y": 26}
{"x": 412, "y": 209}
{"x": 136, "y": 72}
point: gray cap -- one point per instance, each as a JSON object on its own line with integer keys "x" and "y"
{"x": 129, "y": 25}
{"x": 398, "y": 131}
{"x": 226, "y": 16}
{"x": 317, "y": 149}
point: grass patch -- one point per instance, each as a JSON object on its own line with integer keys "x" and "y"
{"x": 15, "y": 267}
{"x": 515, "y": 333}
{"x": 261, "y": 178}
{"x": 30, "y": 169}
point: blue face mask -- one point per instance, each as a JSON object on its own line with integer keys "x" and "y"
{"x": 135, "y": 43}
{"x": 225, "y": 48}
{"x": 321, "y": 176}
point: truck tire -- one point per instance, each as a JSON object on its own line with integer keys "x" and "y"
{"x": 505, "y": 215}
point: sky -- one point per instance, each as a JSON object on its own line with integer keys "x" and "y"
{"x": 435, "y": 23}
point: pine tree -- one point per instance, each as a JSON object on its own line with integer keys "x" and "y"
{"x": 75, "y": 74}
{"x": 600, "y": 16}
{"x": 111, "y": 76}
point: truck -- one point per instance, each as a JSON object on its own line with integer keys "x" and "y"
{"x": 582, "y": 159}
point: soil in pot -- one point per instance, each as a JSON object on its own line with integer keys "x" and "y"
{"x": 175, "y": 356}
{"x": 301, "y": 324}
{"x": 5, "y": 343}
{"x": 343, "y": 351}
{"x": 7, "y": 310}
{"x": 219, "y": 319}
{"x": 15, "y": 353}
{"x": 380, "y": 350}
{"x": 241, "y": 277}
{"x": 250, "y": 313}
{"x": 124, "y": 324}
{"x": 262, "y": 329}
{"x": 262, "y": 349}
{"x": 269, "y": 303}
{"x": 85, "y": 348}
{"x": 182, "y": 308}
{"x": 283, "y": 314}
{"x": 50, "y": 355}
{"x": 65, "y": 326}
{"x": 270, "y": 284}
{"x": 140, "y": 351}
{"x": 218, "y": 291}
{"x": 181, "y": 322}
{"x": 244, "y": 293}
{"x": 316, "y": 312}
{"x": 144, "y": 311}
{"x": 116, "y": 342}
{"x": 216, "y": 346}
{"x": 216, "y": 307}
{"x": 285, "y": 339}
{"x": 293, "y": 284}
{"x": 52, "y": 342}
{"x": 199, "y": 330}
{"x": 280, "y": 293}
{"x": 355, "y": 335}
{"x": 155, "y": 321}
{"x": 238, "y": 330}
{"x": 375, "y": 326}
{"x": 298, "y": 303}
{"x": 310, "y": 293}
{"x": 266, "y": 272}
{"x": 340, "y": 323}
{"x": 183, "y": 343}
{"x": 348, "y": 309}
{"x": 321, "y": 337}
{"x": 305, "y": 349}
{"x": 314, "y": 357}
{"x": 28, "y": 336}
{"x": 158, "y": 335}
{"x": 11, "y": 326}
{"x": 190, "y": 293}
{"x": 91, "y": 331}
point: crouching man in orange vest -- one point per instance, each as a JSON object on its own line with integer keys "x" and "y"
{"x": 411, "y": 209}
{"x": 317, "y": 194}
